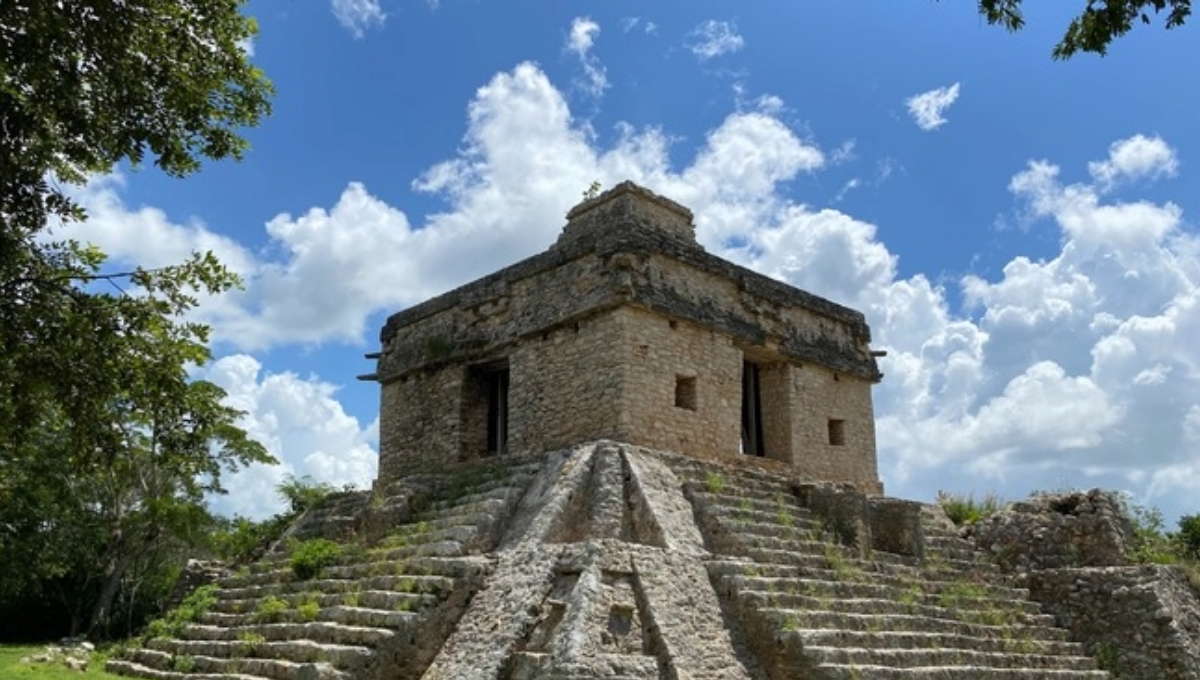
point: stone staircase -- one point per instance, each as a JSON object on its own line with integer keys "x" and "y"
{"x": 381, "y": 611}
{"x": 811, "y": 607}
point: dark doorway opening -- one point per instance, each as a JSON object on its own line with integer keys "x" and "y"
{"x": 496, "y": 382}
{"x": 752, "y": 422}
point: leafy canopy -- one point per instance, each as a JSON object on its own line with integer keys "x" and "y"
{"x": 1094, "y": 29}
{"x": 107, "y": 447}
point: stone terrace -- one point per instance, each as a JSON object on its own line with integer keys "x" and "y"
{"x": 613, "y": 561}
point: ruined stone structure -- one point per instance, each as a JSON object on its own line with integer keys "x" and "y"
{"x": 627, "y": 330}
{"x": 599, "y": 464}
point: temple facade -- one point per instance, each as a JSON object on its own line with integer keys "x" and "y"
{"x": 626, "y": 329}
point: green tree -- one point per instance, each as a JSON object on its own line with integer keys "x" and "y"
{"x": 95, "y": 529}
{"x": 1095, "y": 28}
{"x": 85, "y": 85}
{"x": 1188, "y": 537}
{"x": 106, "y": 446}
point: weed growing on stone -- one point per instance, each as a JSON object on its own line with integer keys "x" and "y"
{"x": 249, "y": 643}
{"x": 954, "y": 595}
{"x": 308, "y": 606}
{"x": 309, "y": 558}
{"x": 183, "y": 663}
{"x": 308, "y": 611}
{"x": 1108, "y": 659}
{"x": 842, "y": 568}
{"x": 270, "y": 610}
{"x": 352, "y": 598}
{"x": 966, "y": 509}
{"x": 714, "y": 482}
{"x": 189, "y": 611}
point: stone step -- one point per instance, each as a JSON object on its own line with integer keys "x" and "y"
{"x": 853, "y": 672}
{"x": 342, "y": 656}
{"x": 473, "y": 512}
{"x": 750, "y": 541}
{"x": 324, "y": 632}
{"x": 421, "y": 565}
{"x": 427, "y": 561}
{"x": 922, "y": 640}
{"x": 606, "y": 666}
{"x": 371, "y": 599}
{"x": 977, "y": 610}
{"x": 694, "y": 470}
{"x": 916, "y": 592}
{"x": 428, "y": 532}
{"x": 276, "y": 669}
{"x": 766, "y": 500}
{"x": 924, "y": 657}
{"x": 349, "y": 616}
{"x": 853, "y": 569}
{"x": 799, "y": 619}
{"x": 136, "y": 670}
{"x": 405, "y": 583}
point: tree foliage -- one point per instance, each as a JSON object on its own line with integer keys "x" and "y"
{"x": 1095, "y": 28}
{"x": 107, "y": 447}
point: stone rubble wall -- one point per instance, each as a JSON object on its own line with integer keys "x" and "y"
{"x": 1074, "y": 549}
{"x": 1142, "y": 623}
{"x": 1049, "y": 531}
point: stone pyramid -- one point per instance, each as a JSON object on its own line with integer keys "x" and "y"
{"x": 614, "y": 561}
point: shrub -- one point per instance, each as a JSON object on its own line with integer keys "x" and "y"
{"x": 189, "y": 611}
{"x": 1188, "y": 537}
{"x": 310, "y": 557}
{"x": 966, "y": 510}
{"x": 270, "y": 609}
{"x": 1151, "y": 544}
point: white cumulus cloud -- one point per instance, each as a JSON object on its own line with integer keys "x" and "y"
{"x": 301, "y": 423}
{"x": 927, "y": 108}
{"x": 1135, "y": 158}
{"x": 580, "y": 41}
{"x": 1075, "y": 368}
{"x": 714, "y": 38}
{"x": 358, "y": 16}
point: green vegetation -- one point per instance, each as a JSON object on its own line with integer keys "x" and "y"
{"x": 189, "y": 611}
{"x": 1097, "y": 26}
{"x": 11, "y": 667}
{"x": 714, "y": 482}
{"x": 965, "y": 510}
{"x": 309, "y": 558}
{"x": 108, "y": 448}
{"x": 183, "y": 663}
{"x": 270, "y": 610}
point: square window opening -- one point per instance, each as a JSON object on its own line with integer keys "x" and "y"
{"x": 837, "y": 432}
{"x": 685, "y": 392}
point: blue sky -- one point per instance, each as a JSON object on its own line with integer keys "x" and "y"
{"x": 1020, "y": 232}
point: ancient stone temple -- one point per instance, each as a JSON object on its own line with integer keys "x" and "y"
{"x": 627, "y": 459}
{"x": 627, "y": 330}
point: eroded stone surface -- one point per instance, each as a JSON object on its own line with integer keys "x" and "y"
{"x": 610, "y": 561}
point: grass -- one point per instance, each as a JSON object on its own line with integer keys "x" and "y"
{"x": 966, "y": 509}
{"x": 11, "y": 667}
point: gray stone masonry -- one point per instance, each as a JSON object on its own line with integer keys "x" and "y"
{"x": 1073, "y": 551}
{"x": 626, "y": 329}
{"x": 609, "y": 561}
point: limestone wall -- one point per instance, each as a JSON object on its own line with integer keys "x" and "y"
{"x": 820, "y": 397}
{"x": 657, "y": 356}
{"x": 419, "y": 422}
{"x": 566, "y": 385}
